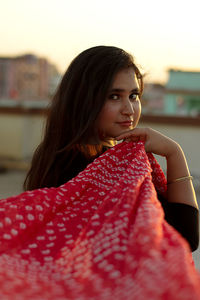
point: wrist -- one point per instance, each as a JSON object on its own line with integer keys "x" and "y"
{"x": 176, "y": 165}
{"x": 174, "y": 151}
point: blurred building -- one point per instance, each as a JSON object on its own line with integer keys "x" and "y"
{"x": 153, "y": 99}
{"x": 7, "y": 83}
{"x": 27, "y": 77}
{"x": 54, "y": 79}
{"x": 182, "y": 93}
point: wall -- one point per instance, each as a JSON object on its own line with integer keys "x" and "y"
{"x": 21, "y": 131}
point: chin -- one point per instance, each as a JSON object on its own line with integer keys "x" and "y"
{"x": 125, "y": 130}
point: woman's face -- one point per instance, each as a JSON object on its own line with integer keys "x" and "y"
{"x": 122, "y": 109}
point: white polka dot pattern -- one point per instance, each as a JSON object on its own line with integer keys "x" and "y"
{"x": 100, "y": 236}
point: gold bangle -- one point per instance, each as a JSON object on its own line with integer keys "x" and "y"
{"x": 180, "y": 179}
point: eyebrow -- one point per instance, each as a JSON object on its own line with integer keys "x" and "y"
{"x": 117, "y": 90}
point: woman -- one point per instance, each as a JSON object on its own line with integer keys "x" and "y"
{"x": 90, "y": 225}
{"x": 97, "y": 104}
{"x": 75, "y": 108}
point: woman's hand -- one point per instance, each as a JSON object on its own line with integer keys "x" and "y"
{"x": 155, "y": 142}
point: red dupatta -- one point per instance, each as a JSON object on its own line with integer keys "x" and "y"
{"x": 102, "y": 235}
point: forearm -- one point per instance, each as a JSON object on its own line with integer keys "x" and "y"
{"x": 179, "y": 191}
{"x": 157, "y": 143}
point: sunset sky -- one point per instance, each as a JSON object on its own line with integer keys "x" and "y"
{"x": 160, "y": 34}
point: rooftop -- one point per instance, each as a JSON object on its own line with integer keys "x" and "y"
{"x": 183, "y": 80}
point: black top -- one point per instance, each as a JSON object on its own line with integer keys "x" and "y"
{"x": 184, "y": 218}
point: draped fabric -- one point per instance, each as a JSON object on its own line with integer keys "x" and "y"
{"x": 102, "y": 235}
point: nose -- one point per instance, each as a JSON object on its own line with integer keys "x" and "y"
{"x": 127, "y": 108}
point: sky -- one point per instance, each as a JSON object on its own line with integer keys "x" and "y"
{"x": 159, "y": 34}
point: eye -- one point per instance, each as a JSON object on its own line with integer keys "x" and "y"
{"x": 114, "y": 97}
{"x": 134, "y": 96}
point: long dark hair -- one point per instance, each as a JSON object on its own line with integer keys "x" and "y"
{"x": 74, "y": 109}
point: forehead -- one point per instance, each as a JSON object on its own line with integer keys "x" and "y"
{"x": 125, "y": 79}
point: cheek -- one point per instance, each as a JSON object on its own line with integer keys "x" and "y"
{"x": 108, "y": 112}
{"x": 137, "y": 113}
{"x": 138, "y": 108}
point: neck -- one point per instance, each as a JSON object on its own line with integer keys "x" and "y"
{"x": 90, "y": 150}
{"x": 110, "y": 142}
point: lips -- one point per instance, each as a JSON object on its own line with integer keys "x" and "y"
{"x": 126, "y": 123}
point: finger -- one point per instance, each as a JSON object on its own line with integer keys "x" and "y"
{"x": 131, "y": 139}
{"x": 131, "y": 135}
{"x": 127, "y": 137}
{"x": 133, "y": 132}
